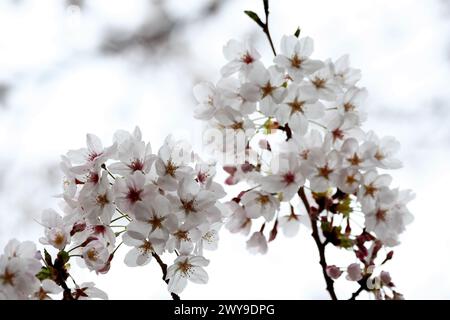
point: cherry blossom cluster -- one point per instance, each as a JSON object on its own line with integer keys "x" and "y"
{"x": 155, "y": 204}
{"x": 292, "y": 134}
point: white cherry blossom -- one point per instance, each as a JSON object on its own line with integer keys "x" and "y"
{"x": 299, "y": 106}
{"x": 295, "y": 57}
{"x": 57, "y": 233}
{"x": 96, "y": 255}
{"x": 186, "y": 268}
{"x": 266, "y": 86}
{"x": 343, "y": 73}
{"x": 257, "y": 243}
{"x": 242, "y": 57}
{"x": 286, "y": 179}
{"x": 143, "y": 248}
{"x": 260, "y": 204}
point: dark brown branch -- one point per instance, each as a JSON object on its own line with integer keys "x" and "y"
{"x": 287, "y": 130}
{"x": 362, "y": 287}
{"x": 320, "y": 245}
{"x": 356, "y": 293}
{"x": 164, "y": 272}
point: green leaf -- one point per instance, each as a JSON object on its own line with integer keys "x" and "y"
{"x": 344, "y": 207}
{"x": 45, "y": 273}
{"x": 254, "y": 17}
{"x": 63, "y": 256}
{"x": 47, "y": 258}
{"x": 297, "y": 32}
{"x": 345, "y": 242}
{"x": 326, "y": 226}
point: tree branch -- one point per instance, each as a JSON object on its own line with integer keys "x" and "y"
{"x": 320, "y": 245}
{"x": 164, "y": 272}
{"x": 287, "y": 130}
{"x": 356, "y": 293}
{"x": 362, "y": 287}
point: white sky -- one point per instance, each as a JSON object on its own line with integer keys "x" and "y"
{"x": 64, "y": 89}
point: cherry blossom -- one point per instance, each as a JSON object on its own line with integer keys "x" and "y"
{"x": 131, "y": 190}
{"x": 242, "y": 57}
{"x": 92, "y": 156}
{"x": 343, "y": 73}
{"x": 134, "y": 155}
{"x": 186, "y": 268}
{"x": 208, "y": 100}
{"x": 287, "y": 179}
{"x": 57, "y": 233}
{"x": 95, "y": 255}
{"x": 290, "y": 224}
{"x": 143, "y": 248}
{"x": 298, "y": 107}
{"x": 295, "y": 57}
{"x": 257, "y": 243}
{"x": 88, "y": 291}
{"x": 48, "y": 288}
{"x": 258, "y": 203}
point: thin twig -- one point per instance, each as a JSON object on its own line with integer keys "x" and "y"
{"x": 164, "y": 272}
{"x": 362, "y": 287}
{"x": 109, "y": 172}
{"x": 266, "y": 26}
{"x": 320, "y": 245}
{"x": 287, "y": 130}
{"x": 356, "y": 293}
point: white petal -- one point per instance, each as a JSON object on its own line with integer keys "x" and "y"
{"x": 199, "y": 275}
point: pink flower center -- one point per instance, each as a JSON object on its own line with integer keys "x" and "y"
{"x": 247, "y": 58}
{"x": 289, "y": 178}
{"x": 381, "y": 215}
{"x": 93, "y": 177}
{"x": 136, "y": 165}
{"x": 202, "y": 176}
{"x": 134, "y": 195}
{"x": 94, "y": 155}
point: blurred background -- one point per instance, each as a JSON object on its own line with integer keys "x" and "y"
{"x": 68, "y": 67}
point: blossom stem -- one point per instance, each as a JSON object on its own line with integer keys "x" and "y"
{"x": 320, "y": 245}
{"x": 118, "y": 218}
{"x": 70, "y": 250}
{"x": 318, "y": 124}
{"x": 120, "y": 232}
{"x": 109, "y": 172}
{"x": 124, "y": 215}
{"x": 164, "y": 272}
{"x": 362, "y": 287}
{"x": 118, "y": 246}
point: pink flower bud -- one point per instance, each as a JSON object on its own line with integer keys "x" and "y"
{"x": 386, "y": 278}
{"x": 334, "y": 272}
{"x": 354, "y": 272}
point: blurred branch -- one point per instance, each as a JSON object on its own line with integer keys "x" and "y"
{"x": 153, "y": 34}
